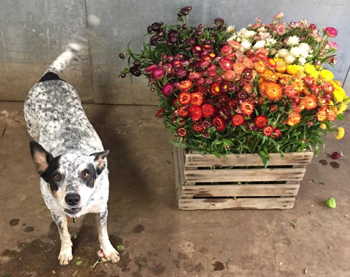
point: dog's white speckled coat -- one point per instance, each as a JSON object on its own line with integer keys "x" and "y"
{"x": 69, "y": 156}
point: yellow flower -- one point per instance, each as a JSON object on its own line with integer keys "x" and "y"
{"x": 292, "y": 69}
{"x": 309, "y": 68}
{"x": 326, "y": 75}
{"x": 339, "y": 94}
{"x": 315, "y": 74}
{"x": 342, "y": 108}
{"x": 323, "y": 126}
{"x": 340, "y": 134}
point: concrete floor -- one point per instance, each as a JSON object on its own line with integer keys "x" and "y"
{"x": 143, "y": 215}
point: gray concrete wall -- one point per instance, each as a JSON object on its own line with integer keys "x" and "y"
{"x": 32, "y": 34}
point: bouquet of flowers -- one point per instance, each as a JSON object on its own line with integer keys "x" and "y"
{"x": 259, "y": 90}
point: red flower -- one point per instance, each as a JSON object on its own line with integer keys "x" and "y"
{"x": 219, "y": 123}
{"x": 207, "y": 110}
{"x": 202, "y": 90}
{"x": 160, "y": 112}
{"x": 198, "y": 127}
{"x": 183, "y": 112}
{"x": 261, "y": 56}
{"x": 247, "y": 108}
{"x": 215, "y": 89}
{"x": 181, "y": 132}
{"x": 226, "y": 50}
{"x": 229, "y": 75}
{"x": 260, "y": 121}
{"x": 185, "y": 98}
{"x": 271, "y": 63}
{"x": 176, "y": 103}
{"x": 233, "y": 104}
{"x": 195, "y": 113}
{"x": 268, "y": 130}
{"x": 237, "y": 119}
{"x": 276, "y": 133}
{"x": 185, "y": 85}
{"x": 196, "y": 99}
{"x": 226, "y": 64}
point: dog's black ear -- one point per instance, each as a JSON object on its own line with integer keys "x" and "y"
{"x": 100, "y": 160}
{"x": 40, "y": 156}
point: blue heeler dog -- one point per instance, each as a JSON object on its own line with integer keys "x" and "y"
{"x": 68, "y": 155}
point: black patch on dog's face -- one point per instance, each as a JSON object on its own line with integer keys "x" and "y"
{"x": 89, "y": 181}
{"x": 50, "y": 172}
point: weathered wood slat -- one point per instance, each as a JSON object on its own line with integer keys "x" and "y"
{"x": 241, "y": 203}
{"x": 208, "y": 160}
{"x": 245, "y": 175}
{"x": 240, "y": 190}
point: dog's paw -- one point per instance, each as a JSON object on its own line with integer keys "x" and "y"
{"x": 65, "y": 256}
{"x": 111, "y": 255}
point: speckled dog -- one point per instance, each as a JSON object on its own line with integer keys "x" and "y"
{"x": 68, "y": 155}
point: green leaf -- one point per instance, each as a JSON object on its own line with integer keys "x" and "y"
{"x": 317, "y": 182}
{"x": 75, "y": 236}
{"x": 79, "y": 262}
{"x": 142, "y": 264}
{"x": 75, "y": 273}
{"x": 293, "y": 223}
{"x": 120, "y": 247}
{"x": 228, "y": 262}
{"x": 178, "y": 144}
{"x": 305, "y": 270}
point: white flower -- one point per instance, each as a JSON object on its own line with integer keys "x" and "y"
{"x": 234, "y": 37}
{"x": 231, "y": 29}
{"x": 289, "y": 59}
{"x": 262, "y": 29}
{"x": 259, "y": 44}
{"x": 270, "y": 41}
{"x": 248, "y": 34}
{"x": 304, "y": 46}
{"x": 282, "y": 53}
{"x": 304, "y": 54}
{"x": 302, "y": 60}
{"x": 246, "y": 44}
{"x": 293, "y": 40}
{"x": 295, "y": 51}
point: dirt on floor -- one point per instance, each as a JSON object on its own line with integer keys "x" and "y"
{"x": 160, "y": 240}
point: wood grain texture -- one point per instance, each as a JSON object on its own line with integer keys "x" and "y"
{"x": 240, "y": 190}
{"x": 245, "y": 175}
{"x": 241, "y": 203}
{"x": 208, "y": 160}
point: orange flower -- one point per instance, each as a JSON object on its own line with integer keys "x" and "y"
{"x": 290, "y": 91}
{"x": 298, "y": 84}
{"x": 185, "y": 85}
{"x": 306, "y": 91}
{"x": 248, "y": 63}
{"x": 247, "y": 108}
{"x": 229, "y": 75}
{"x": 322, "y": 114}
{"x": 332, "y": 114}
{"x": 238, "y": 68}
{"x": 293, "y": 119}
{"x": 273, "y": 91}
{"x": 269, "y": 75}
{"x": 309, "y": 102}
{"x": 248, "y": 87}
{"x": 285, "y": 79}
{"x": 263, "y": 87}
{"x": 260, "y": 66}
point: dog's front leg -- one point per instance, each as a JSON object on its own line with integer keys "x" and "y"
{"x": 109, "y": 251}
{"x": 65, "y": 255}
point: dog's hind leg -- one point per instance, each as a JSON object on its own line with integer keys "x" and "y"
{"x": 110, "y": 253}
{"x": 65, "y": 255}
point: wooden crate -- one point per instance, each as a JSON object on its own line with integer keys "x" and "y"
{"x": 237, "y": 182}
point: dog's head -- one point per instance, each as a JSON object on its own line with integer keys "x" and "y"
{"x": 71, "y": 177}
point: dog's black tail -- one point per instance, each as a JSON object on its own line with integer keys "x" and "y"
{"x": 64, "y": 59}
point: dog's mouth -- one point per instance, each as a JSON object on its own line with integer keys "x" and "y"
{"x": 72, "y": 211}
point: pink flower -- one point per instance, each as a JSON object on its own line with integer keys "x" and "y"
{"x": 312, "y": 26}
{"x": 235, "y": 45}
{"x": 158, "y": 73}
{"x": 151, "y": 68}
{"x": 333, "y": 45}
{"x": 295, "y": 25}
{"x": 167, "y": 90}
{"x": 280, "y": 29}
{"x": 330, "y": 31}
{"x": 278, "y": 16}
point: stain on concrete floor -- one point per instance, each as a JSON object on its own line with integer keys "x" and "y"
{"x": 143, "y": 215}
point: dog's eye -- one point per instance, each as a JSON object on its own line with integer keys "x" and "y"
{"x": 57, "y": 177}
{"x": 85, "y": 174}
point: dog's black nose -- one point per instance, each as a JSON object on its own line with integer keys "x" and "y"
{"x": 72, "y": 199}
